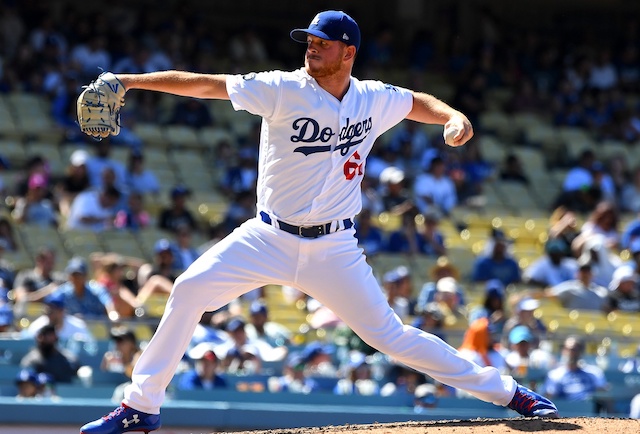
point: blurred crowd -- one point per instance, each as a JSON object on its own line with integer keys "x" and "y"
{"x": 411, "y": 174}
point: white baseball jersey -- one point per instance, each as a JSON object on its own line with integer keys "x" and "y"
{"x": 313, "y": 147}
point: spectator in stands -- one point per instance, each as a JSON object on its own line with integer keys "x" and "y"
{"x": 574, "y": 379}
{"x": 630, "y": 195}
{"x": 392, "y": 283}
{"x": 110, "y": 273}
{"x": 205, "y": 373}
{"x": 28, "y": 384}
{"x": 102, "y": 160}
{"x": 431, "y": 319}
{"x": 357, "y": 377}
{"x": 7, "y": 237}
{"x": 442, "y": 268}
{"x": 370, "y": 237}
{"x": 623, "y": 292}
{"x": 447, "y": 298}
{"x": 259, "y": 326}
{"x": 294, "y": 378}
{"x": 425, "y": 396}
{"x": 435, "y": 189}
{"x": 47, "y": 357}
{"x": 603, "y": 261}
{"x": 247, "y": 48}
{"x": 631, "y": 365}
{"x": 634, "y": 412}
{"x": 92, "y": 55}
{"x": 35, "y": 165}
{"x": 523, "y": 353}
{"x": 93, "y": 210}
{"x": 493, "y": 306}
{"x": 395, "y": 198}
{"x": 133, "y": 217}
{"x": 75, "y": 180}
{"x": 183, "y": 251}
{"x": 68, "y": 327}
{"x": 241, "y": 209}
{"x": 242, "y": 355}
{"x": 157, "y": 278}
{"x": 43, "y": 277}
{"x": 552, "y": 268}
{"x": 581, "y": 292}
{"x": 191, "y": 112}
{"x": 512, "y": 170}
{"x": 630, "y": 235}
{"x": 603, "y": 220}
{"x": 498, "y": 263}
{"x": 318, "y": 360}
{"x": 82, "y": 297}
{"x": 402, "y": 380}
{"x": 578, "y": 187}
{"x": 138, "y": 178}
{"x": 523, "y": 310}
{"x": 413, "y": 240}
{"x": 125, "y": 353}
{"x": 34, "y": 208}
{"x": 6, "y": 268}
{"x": 177, "y": 214}
{"x": 564, "y": 225}
{"x": 479, "y": 345}
{"x": 241, "y": 177}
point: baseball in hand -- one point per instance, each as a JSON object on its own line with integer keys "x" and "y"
{"x": 449, "y": 134}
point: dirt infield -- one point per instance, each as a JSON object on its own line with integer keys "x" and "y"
{"x": 480, "y": 426}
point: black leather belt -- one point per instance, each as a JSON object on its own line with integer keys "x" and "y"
{"x": 303, "y": 231}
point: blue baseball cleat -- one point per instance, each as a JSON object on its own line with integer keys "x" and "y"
{"x": 529, "y": 403}
{"x": 123, "y": 419}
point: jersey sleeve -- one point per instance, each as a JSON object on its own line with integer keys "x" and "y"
{"x": 394, "y": 103}
{"x": 257, "y": 93}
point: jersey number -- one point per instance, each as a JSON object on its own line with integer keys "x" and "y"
{"x": 352, "y": 167}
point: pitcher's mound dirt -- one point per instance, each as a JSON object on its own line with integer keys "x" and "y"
{"x": 582, "y": 425}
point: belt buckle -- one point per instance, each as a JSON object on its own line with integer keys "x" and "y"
{"x": 320, "y": 231}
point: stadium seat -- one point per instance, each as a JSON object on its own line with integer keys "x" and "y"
{"x": 182, "y": 136}
{"x": 13, "y": 150}
{"x": 50, "y": 152}
{"x": 151, "y": 134}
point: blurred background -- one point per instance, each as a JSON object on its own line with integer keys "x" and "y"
{"x": 521, "y": 248}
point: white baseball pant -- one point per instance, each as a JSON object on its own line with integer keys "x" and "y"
{"x": 332, "y": 270}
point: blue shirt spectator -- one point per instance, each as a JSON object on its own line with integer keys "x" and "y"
{"x": 204, "y": 375}
{"x": 82, "y": 297}
{"x": 497, "y": 265}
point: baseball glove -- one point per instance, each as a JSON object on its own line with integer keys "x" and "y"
{"x": 99, "y": 106}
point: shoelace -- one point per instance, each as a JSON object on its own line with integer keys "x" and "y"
{"x": 525, "y": 401}
{"x": 115, "y": 413}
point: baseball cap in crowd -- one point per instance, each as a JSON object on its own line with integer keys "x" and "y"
{"x": 122, "y": 333}
{"x": 258, "y": 307}
{"x": 426, "y": 393}
{"x": 76, "y": 265}
{"x": 204, "y": 350}
{"x": 447, "y": 284}
{"x": 27, "y": 376}
{"x": 634, "y": 246}
{"x": 180, "y": 190}
{"x": 555, "y": 245}
{"x": 333, "y": 26}
{"x": 528, "y": 304}
{"x": 235, "y": 324}
{"x": 79, "y": 157}
{"x": 162, "y": 245}
{"x": 314, "y": 348}
{"x": 37, "y": 180}
{"x": 395, "y": 275}
{"x": 494, "y": 287}
{"x": 295, "y": 361}
{"x": 519, "y": 334}
{"x": 391, "y": 175}
{"x": 624, "y": 273}
{"x": 55, "y": 300}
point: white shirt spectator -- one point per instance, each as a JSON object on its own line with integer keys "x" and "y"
{"x": 441, "y": 190}
{"x": 543, "y": 270}
{"x": 143, "y": 183}
{"x": 87, "y": 204}
{"x": 96, "y": 165}
{"x": 574, "y": 295}
{"x": 72, "y": 328}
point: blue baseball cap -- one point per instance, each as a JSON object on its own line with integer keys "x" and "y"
{"x": 333, "y": 26}
{"x": 494, "y": 287}
{"x": 55, "y": 300}
{"x": 162, "y": 245}
{"x": 27, "y": 376}
{"x": 634, "y": 245}
{"x": 76, "y": 265}
{"x": 258, "y": 307}
{"x": 519, "y": 334}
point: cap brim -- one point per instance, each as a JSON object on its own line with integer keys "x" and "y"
{"x": 300, "y": 35}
